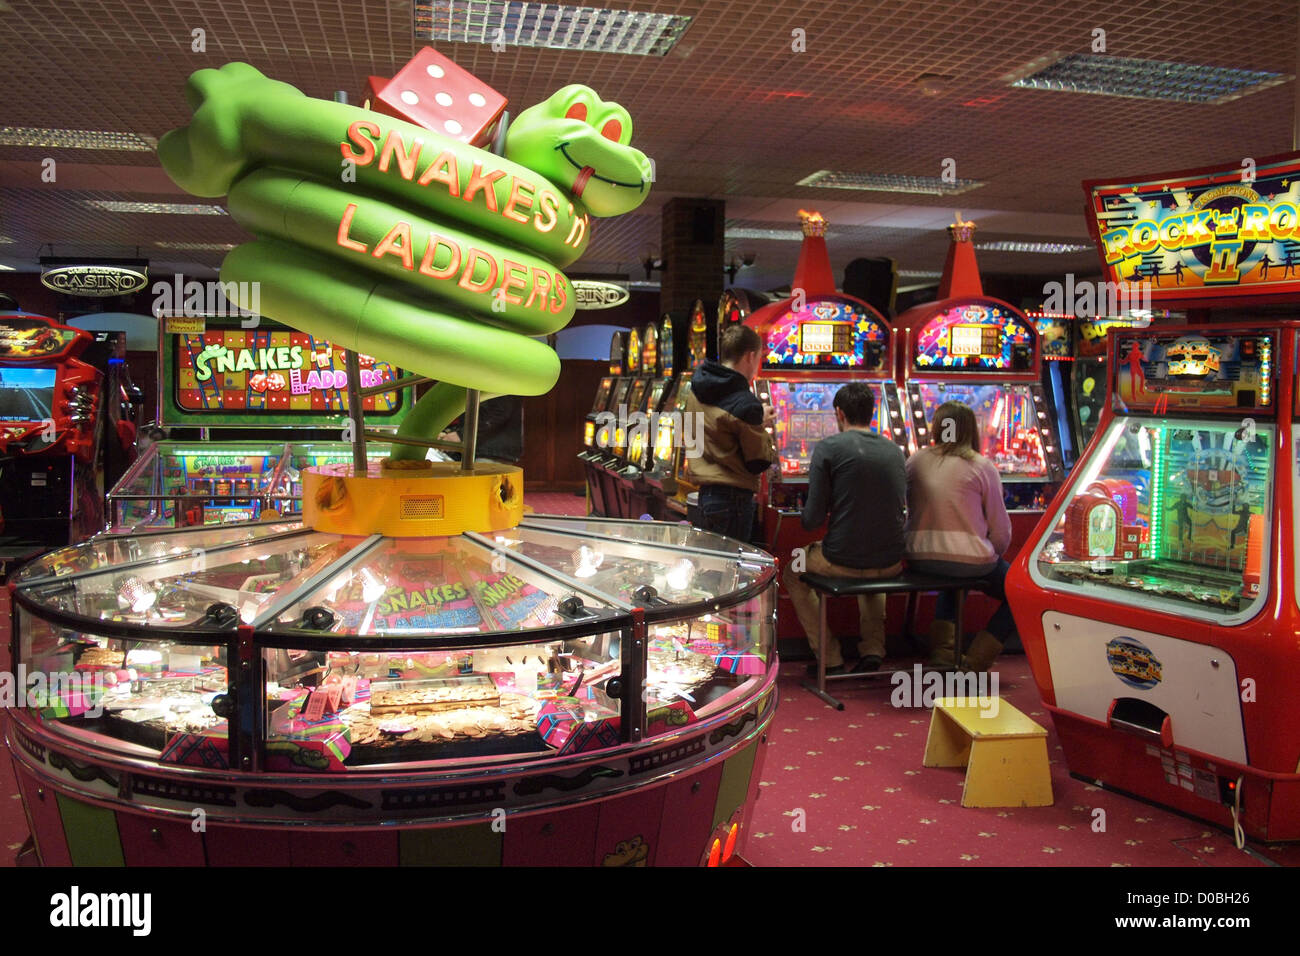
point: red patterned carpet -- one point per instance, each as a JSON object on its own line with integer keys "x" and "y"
{"x": 555, "y": 502}
{"x": 856, "y": 775}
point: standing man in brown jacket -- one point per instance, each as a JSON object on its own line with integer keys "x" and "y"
{"x": 737, "y": 448}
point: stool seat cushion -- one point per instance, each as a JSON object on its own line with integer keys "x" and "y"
{"x": 901, "y": 584}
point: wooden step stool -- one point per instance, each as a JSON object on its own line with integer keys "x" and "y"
{"x": 1005, "y": 756}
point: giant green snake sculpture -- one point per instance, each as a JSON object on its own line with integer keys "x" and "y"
{"x": 399, "y": 242}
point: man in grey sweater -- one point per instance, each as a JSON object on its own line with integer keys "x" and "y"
{"x": 858, "y": 480}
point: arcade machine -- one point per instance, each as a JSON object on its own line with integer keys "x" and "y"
{"x": 701, "y": 345}
{"x": 735, "y": 305}
{"x": 1087, "y": 385}
{"x": 812, "y": 349}
{"x": 60, "y": 438}
{"x": 611, "y": 430}
{"x": 1164, "y": 580}
{"x": 665, "y": 426}
{"x": 284, "y": 388}
{"x": 980, "y": 351}
{"x": 1056, "y": 334}
{"x": 1157, "y": 604}
{"x": 597, "y": 435}
{"x": 642, "y": 357}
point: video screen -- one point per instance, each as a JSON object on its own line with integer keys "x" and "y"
{"x": 27, "y": 394}
{"x": 805, "y": 414}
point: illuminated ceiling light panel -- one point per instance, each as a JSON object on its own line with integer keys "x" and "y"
{"x": 889, "y": 183}
{"x": 918, "y": 274}
{"x": 785, "y": 235}
{"x": 163, "y": 208}
{"x": 75, "y": 139}
{"x": 1048, "y": 248}
{"x": 552, "y": 26}
{"x": 5, "y": 268}
{"x": 1142, "y": 79}
{"x": 197, "y": 246}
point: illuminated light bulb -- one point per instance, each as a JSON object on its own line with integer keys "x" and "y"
{"x": 680, "y": 575}
{"x": 371, "y": 588}
{"x": 587, "y": 561}
{"x": 731, "y": 842}
{"x": 135, "y": 594}
{"x": 248, "y": 613}
{"x": 715, "y": 852}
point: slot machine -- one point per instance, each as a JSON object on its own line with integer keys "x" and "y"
{"x": 596, "y": 434}
{"x": 59, "y": 388}
{"x": 812, "y": 348}
{"x": 277, "y": 399}
{"x": 734, "y": 306}
{"x": 701, "y": 344}
{"x": 611, "y": 433}
{"x": 982, "y": 352}
{"x": 665, "y": 427}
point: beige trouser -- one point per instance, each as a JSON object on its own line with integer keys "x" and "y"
{"x": 871, "y": 608}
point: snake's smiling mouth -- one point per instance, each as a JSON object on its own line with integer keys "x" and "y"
{"x": 588, "y": 173}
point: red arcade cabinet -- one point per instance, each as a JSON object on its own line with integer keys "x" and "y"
{"x": 53, "y": 420}
{"x": 1158, "y": 601}
{"x": 984, "y": 353}
{"x": 814, "y": 345}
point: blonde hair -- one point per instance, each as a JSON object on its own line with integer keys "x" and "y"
{"x": 957, "y": 420}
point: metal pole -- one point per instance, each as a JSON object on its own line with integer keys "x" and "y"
{"x": 469, "y": 438}
{"x": 352, "y": 368}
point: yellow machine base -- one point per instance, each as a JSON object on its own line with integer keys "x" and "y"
{"x": 1004, "y": 752}
{"x": 432, "y": 499}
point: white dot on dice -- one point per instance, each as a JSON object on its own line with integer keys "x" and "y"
{"x": 476, "y": 99}
{"x": 451, "y": 126}
{"x": 409, "y": 97}
{"x": 435, "y": 71}
{"x": 443, "y": 99}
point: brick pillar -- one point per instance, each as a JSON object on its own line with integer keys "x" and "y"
{"x": 692, "y": 242}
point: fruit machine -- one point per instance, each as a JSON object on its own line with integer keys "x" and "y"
{"x": 665, "y": 428}
{"x": 1157, "y": 602}
{"x": 734, "y": 306}
{"x": 641, "y": 347}
{"x": 809, "y": 354}
{"x": 59, "y": 432}
{"x": 598, "y": 434}
{"x": 984, "y": 353}
{"x": 1056, "y": 335}
{"x": 634, "y": 492}
{"x": 701, "y": 337}
{"x": 610, "y": 431}
{"x": 277, "y": 399}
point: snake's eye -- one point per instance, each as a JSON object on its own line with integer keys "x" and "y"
{"x": 577, "y": 111}
{"x": 612, "y": 130}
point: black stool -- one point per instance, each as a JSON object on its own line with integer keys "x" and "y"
{"x": 910, "y": 583}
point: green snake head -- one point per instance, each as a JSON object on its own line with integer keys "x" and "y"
{"x": 576, "y": 139}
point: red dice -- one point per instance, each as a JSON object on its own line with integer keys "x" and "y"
{"x": 433, "y": 92}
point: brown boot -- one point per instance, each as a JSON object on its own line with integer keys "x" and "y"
{"x": 943, "y": 641}
{"x": 981, "y": 654}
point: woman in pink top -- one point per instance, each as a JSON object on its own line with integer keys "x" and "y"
{"x": 957, "y": 526}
